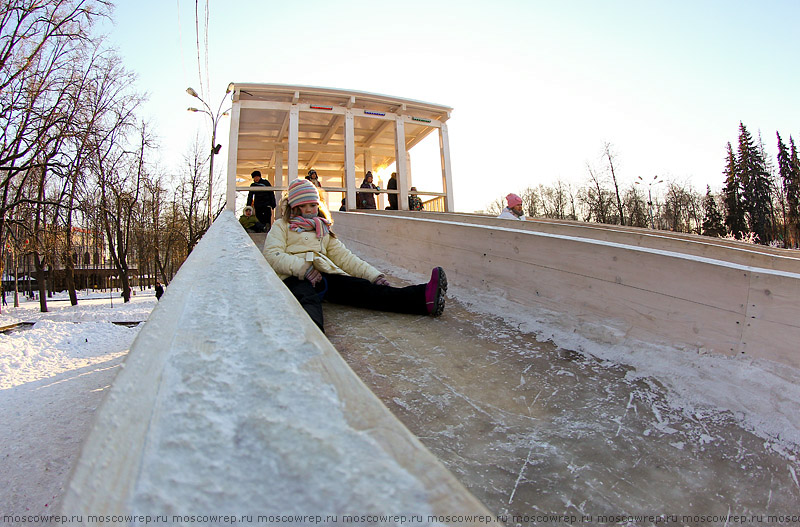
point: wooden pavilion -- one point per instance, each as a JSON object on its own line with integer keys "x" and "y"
{"x": 284, "y": 131}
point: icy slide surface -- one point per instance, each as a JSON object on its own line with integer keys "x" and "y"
{"x": 529, "y": 427}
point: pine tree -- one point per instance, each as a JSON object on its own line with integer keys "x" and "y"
{"x": 757, "y": 195}
{"x": 712, "y": 222}
{"x": 785, "y": 172}
{"x": 734, "y": 208}
{"x": 792, "y": 188}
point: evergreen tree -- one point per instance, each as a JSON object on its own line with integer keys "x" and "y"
{"x": 712, "y": 222}
{"x": 757, "y": 196}
{"x": 734, "y": 208}
{"x": 785, "y": 172}
{"x": 791, "y": 185}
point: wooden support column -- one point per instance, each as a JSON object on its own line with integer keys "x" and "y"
{"x": 294, "y": 139}
{"x": 350, "y": 159}
{"x": 280, "y": 179}
{"x": 233, "y": 149}
{"x": 367, "y": 162}
{"x": 401, "y": 162}
{"x": 447, "y": 173}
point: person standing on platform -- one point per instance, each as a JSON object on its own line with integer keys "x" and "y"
{"x": 263, "y": 202}
{"x": 366, "y": 200}
{"x": 392, "y": 185}
{"x": 514, "y": 209}
{"x": 313, "y": 177}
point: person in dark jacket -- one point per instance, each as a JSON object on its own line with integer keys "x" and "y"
{"x": 366, "y": 200}
{"x": 392, "y": 185}
{"x": 263, "y": 202}
{"x": 159, "y": 290}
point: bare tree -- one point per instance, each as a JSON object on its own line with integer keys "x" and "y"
{"x": 118, "y": 171}
{"x": 596, "y": 198}
{"x": 39, "y": 41}
{"x": 496, "y": 207}
{"x": 556, "y": 199}
{"x": 192, "y": 193}
{"x": 610, "y": 156}
{"x": 682, "y": 208}
{"x": 636, "y": 204}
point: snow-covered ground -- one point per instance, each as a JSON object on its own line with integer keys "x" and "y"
{"x": 53, "y": 375}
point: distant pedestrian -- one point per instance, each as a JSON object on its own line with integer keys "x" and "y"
{"x": 514, "y": 209}
{"x": 414, "y": 201}
{"x": 392, "y": 185}
{"x": 366, "y": 200}
{"x": 159, "y": 290}
{"x": 313, "y": 177}
{"x": 263, "y": 202}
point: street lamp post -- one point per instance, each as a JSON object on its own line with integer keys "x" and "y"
{"x": 649, "y": 195}
{"x": 215, "y": 148}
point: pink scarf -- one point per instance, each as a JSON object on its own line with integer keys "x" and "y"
{"x": 318, "y": 224}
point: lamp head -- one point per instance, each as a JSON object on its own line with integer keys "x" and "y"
{"x": 191, "y": 92}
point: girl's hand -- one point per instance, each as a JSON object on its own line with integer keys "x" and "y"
{"x": 313, "y": 276}
{"x": 381, "y": 280}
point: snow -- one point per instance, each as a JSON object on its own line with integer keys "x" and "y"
{"x": 53, "y": 376}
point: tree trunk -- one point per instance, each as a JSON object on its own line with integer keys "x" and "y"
{"x": 40, "y": 280}
{"x": 69, "y": 273}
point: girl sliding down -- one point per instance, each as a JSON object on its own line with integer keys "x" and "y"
{"x": 315, "y": 265}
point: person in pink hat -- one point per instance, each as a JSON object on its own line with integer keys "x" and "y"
{"x": 315, "y": 265}
{"x": 513, "y": 210}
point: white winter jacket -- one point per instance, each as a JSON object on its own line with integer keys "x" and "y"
{"x": 287, "y": 251}
{"x": 508, "y": 215}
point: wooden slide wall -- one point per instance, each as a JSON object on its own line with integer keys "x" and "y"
{"x": 217, "y": 412}
{"x": 688, "y": 292}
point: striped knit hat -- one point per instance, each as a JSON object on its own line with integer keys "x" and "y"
{"x": 302, "y": 191}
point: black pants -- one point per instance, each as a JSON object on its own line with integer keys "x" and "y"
{"x": 357, "y": 292}
{"x": 264, "y": 215}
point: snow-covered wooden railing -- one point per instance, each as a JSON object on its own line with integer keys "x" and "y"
{"x": 232, "y": 402}
{"x": 610, "y": 284}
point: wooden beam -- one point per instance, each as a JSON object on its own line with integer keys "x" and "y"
{"x": 401, "y": 163}
{"x": 233, "y": 152}
{"x": 447, "y": 172}
{"x": 333, "y": 127}
{"x": 380, "y": 131}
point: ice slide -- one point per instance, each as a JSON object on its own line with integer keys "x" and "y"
{"x": 219, "y": 411}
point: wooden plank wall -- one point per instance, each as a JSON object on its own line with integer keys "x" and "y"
{"x": 690, "y": 292}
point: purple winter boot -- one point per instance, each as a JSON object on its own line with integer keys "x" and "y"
{"x": 434, "y": 292}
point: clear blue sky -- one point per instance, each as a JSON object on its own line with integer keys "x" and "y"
{"x": 537, "y": 87}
